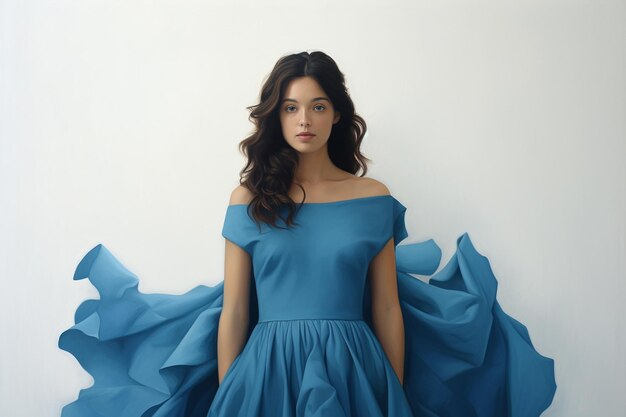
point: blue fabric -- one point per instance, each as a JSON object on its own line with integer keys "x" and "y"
{"x": 311, "y": 350}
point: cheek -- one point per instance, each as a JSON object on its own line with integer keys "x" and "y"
{"x": 286, "y": 119}
{"x": 328, "y": 121}
{"x": 287, "y": 126}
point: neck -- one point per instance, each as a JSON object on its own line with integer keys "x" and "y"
{"x": 314, "y": 168}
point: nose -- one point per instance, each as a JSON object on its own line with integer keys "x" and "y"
{"x": 304, "y": 119}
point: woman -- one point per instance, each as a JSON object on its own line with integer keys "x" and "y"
{"x": 317, "y": 314}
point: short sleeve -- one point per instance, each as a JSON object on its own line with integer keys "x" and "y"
{"x": 399, "y": 231}
{"x": 239, "y": 228}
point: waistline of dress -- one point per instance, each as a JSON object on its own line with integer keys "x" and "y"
{"x": 268, "y": 320}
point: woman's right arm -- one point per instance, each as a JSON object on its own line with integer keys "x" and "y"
{"x": 233, "y": 323}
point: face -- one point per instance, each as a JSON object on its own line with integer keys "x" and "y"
{"x": 305, "y": 108}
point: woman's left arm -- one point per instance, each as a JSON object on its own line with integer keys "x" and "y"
{"x": 386, "y": 312}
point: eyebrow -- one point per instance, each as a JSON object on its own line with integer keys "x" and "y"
{"x": 315, "y": 99}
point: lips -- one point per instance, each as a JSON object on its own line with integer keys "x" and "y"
{"x": 305, "y": 135}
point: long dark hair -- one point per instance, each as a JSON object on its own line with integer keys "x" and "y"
{"x": 271, "y": 162}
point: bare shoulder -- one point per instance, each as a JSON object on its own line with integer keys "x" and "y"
{"x": 240, "y": 195}
{"x": 372, "y": 187}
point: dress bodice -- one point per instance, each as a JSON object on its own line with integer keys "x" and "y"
{"x": 318, "y": 267}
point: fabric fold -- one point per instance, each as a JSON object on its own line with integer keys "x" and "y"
{"x": 464, "y": 355}
{"x": 149, "y": 354}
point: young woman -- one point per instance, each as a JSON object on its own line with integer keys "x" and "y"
{"x": 318, "y": 314}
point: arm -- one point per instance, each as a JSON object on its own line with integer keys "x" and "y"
{"x": 233, "y": 323}
{"x": 386, "y": 312}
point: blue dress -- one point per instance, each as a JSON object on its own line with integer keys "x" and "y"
{"x": 311, "y": 349}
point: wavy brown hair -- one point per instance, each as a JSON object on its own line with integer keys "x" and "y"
{"x": 271, "y": 161}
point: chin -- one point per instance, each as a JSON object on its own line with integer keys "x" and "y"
{"x": 307, "y": 147}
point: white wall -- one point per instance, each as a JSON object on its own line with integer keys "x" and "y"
{"x": 120, "y": 122}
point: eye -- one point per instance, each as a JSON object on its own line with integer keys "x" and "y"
{"x": 289, "y": 107}
{"x": 320, "y": 105}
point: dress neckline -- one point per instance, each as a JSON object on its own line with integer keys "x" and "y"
{"x": 326, "y": 203}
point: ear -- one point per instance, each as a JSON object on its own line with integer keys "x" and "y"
{"x": 337, "y": 117}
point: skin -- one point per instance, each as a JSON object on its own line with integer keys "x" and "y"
{"x": 304, "y": 109}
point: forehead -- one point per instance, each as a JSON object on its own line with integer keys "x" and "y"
{"x": 303, "y": 87}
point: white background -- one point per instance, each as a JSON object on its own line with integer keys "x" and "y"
{"x": 120, "y": 122}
